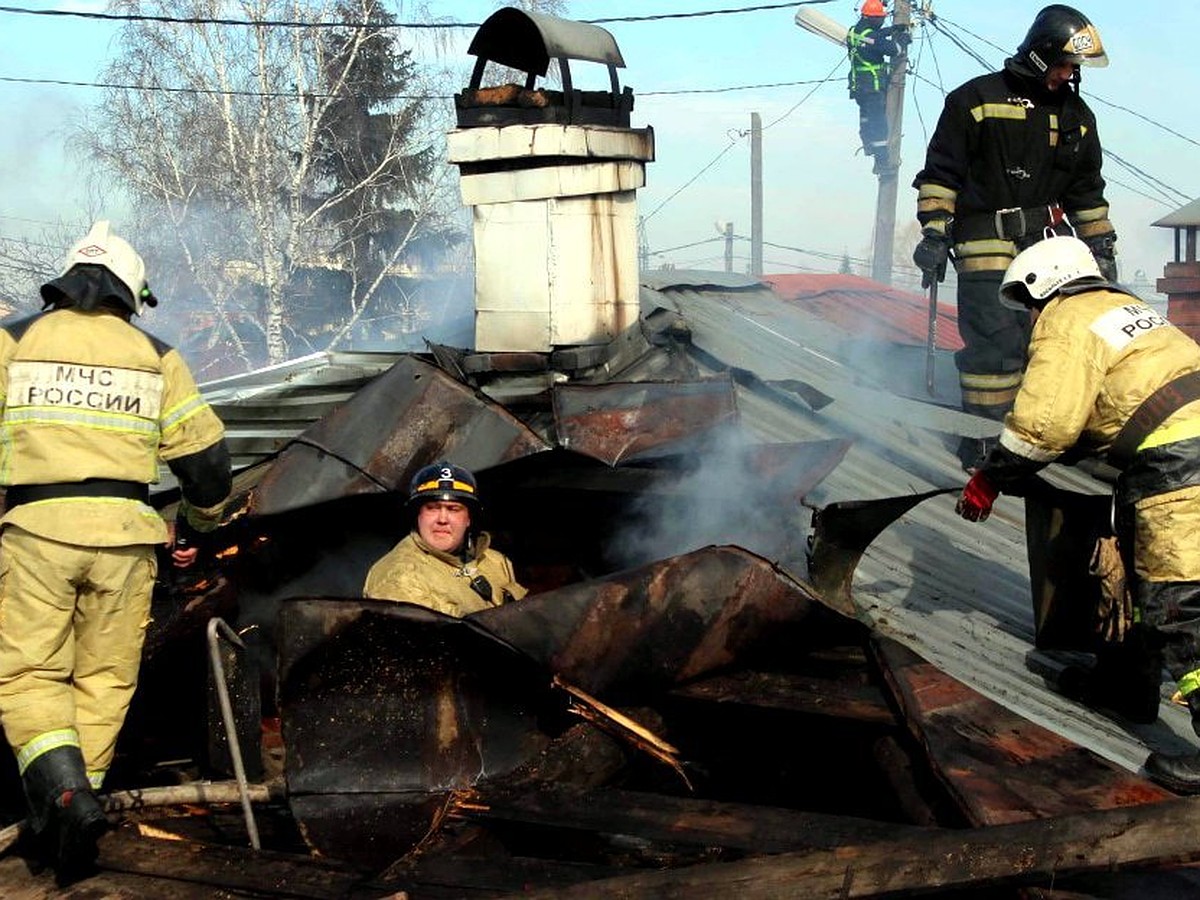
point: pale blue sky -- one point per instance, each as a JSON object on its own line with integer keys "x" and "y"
{"x": 819, "y": 195}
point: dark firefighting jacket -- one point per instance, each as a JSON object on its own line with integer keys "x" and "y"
{"x": 91, "y": 405}
{"x": 1094, "y": 357}
{"x": 1005, "y": 149}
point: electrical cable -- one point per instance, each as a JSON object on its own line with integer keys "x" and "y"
{"x": 297, "y": 23}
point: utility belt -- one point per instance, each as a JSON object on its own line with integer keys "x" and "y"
{"x": 1010, "y": 224}
{"x": 17, "y": 494}
{"x": 1152, "y": 412}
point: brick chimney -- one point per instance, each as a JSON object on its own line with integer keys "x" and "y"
{"x": 551, "y": 177}
{"x": 1181, "y": 278}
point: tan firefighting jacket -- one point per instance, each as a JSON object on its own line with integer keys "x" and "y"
{"x": 87, "y": 395}
{"x": 417, "y": 573}
{"x": 1093, "y": 358}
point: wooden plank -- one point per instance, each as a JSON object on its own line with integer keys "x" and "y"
{"x": 268, "y": 873}
{"x": 679, "y": 820}
{"x": 999, "y": 766}
{"x": 843, "y": 698}
{"x": 1041, "y": 852}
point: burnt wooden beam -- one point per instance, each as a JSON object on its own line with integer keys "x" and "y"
{"x": 1036, "y": 853}
{"x": 266, "y": 873}
{"x": 662, "y": 818}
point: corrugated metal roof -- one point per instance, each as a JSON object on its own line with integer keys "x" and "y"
{"x": 870, "y": 309}
{"x": 957, "y": 593}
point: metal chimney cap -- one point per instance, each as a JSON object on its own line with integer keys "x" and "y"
{"x": 527, "y": 41}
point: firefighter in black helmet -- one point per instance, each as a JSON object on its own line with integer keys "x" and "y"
{"x": 445, "y": 562}
{"x": 1015, "y": 155}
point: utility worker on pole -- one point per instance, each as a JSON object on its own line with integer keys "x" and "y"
{"x": 870, "y": 44}
{"x": 445, "y": 562}
{"x": 1108, "y": 375}
{"x": 1014, "y": 153}
{"x": 90, "y": 406}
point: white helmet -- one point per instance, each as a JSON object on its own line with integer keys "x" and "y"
{"x": 100, "y": 247}
{"x": 1040, "y": 271}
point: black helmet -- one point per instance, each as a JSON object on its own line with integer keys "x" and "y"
{"x": 443, "y": 481}
{"x": 1061, "y": 34}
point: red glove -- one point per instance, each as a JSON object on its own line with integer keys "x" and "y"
{"x": 975, "y": 504}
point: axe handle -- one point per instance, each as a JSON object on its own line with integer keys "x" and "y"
{"x": 931, "y": 338}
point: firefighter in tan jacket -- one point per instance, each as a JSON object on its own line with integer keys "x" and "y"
{"x": 1109, "y": 375}
{"x": 91, "y": 404}
{"x": 444, "y": 563}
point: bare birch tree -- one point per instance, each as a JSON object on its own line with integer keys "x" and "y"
{"x": 257, "y": 150}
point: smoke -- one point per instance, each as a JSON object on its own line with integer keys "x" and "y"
{"x": 718, "y": 495}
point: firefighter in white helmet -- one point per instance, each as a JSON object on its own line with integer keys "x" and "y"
{"x": 445, "y": 563}
{"x": 1109, "y": 375}
{"x": 91, "y": 405}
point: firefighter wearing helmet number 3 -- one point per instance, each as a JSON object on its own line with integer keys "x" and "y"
{"x": 1015, "y": 153}
{"x": 446, "y": 562}
{"x": 1109, "y": 376}
{"x": 91, "y": 406}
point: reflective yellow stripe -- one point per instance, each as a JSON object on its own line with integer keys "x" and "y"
{"x": 1095, "y": 214}
{"x": 48, "y": 415}
{"x": 44, "y": 743}
{"x": 1169, "y": 434}
{"x": 1189, "y": 682}
{"x": 96, "y": 778}
{"x": 989, "y": 380}
{"x": 998, "y": 111}
{"x": 456, "y": 485}
{"x": 990, "y": 390}
{"x": 983, "y": 264}
{"x": 986, "y": 247}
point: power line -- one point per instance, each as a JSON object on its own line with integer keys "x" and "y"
{"x": 297, "y": 23}
{"x": 238, "y": 93}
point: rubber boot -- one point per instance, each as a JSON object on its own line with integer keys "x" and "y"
{"x": 1180, "y": 774}
{"x": 1126, "y": 680}
{"x": 65, "y": 817}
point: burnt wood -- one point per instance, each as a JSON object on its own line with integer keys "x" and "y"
{"x": 1037, "y": 853}
{"x": 748, "y": 828}
{"x": 999, "y": 766}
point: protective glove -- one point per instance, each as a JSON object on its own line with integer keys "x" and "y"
{"x": 930, "y": 257}
{"x": 1106, "y": 255}
{"x": 975, "y": 503}
{"x": 1115, "y": 612}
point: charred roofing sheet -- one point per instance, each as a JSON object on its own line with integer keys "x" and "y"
{"x": 957, "y": 593}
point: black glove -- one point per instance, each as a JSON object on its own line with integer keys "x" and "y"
{"x": 1106, "y": 255}
{"x": 931, "y": 255}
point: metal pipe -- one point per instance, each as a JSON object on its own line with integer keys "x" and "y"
{"x": 217, "y": 627}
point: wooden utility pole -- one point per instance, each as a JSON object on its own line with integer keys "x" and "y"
{"x": 756, "y": 197}
{"x": 887, "y": 167}
{"x": 728, "y": 246}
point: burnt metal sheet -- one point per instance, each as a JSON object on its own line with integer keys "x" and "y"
{"x": 387, "y": 708}
{"x": 616, "y": 423}
{"x": 409, "y": 416}
{"x": 841, "y": 533}
{"x": 528, "y": 41}
{"x": 999, "y": 766}
{"x": 658, "y": 625}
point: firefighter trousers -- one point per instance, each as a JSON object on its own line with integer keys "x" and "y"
{"x": 72, "y": 623}
{"x": 995, "y": 343}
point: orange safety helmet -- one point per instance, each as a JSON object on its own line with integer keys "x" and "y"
{"x": 873, "y": 8}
